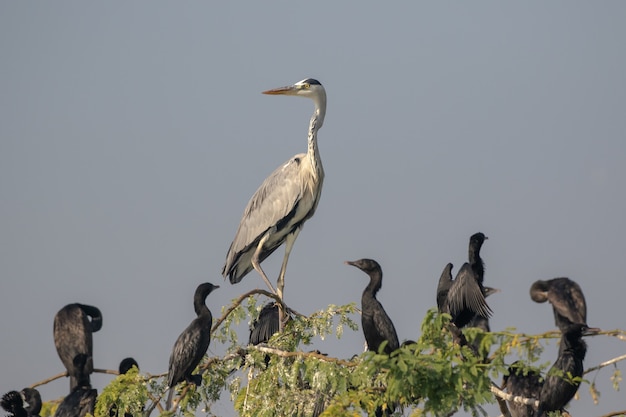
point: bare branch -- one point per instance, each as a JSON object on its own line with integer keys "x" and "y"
{"x": 52, "y": 378}
{"x": 615, "y": 414}
{"x": 607, "y": 363}
{"x": 242, "y": 297}
{"x": 287, "y": 354}
{"x": 515, "y": 398}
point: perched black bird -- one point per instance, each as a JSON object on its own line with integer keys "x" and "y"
{"x": 80, "y": 402}
{"x": 73, "y": 336}
{"x": 192, "y": 343}
{"x": 126, "y": 365}
{"x": 264, "y": 327}
{"x": 377, "y": 326}
{"x": 526, "y": 385}
{"x": 462, "y": 298}
{"x": 12, "y": 403}
{"x": 558, "y": 388}
{"x": 82, "y": 398}
{"x": 566, "y": 297}
{"x": 32, "y": 401}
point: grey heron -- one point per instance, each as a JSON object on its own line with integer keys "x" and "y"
{"x": 284, "y": 201}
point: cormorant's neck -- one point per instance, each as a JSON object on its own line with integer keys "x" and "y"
{"x": 476, "y": 261}
{"x": 573, "y": 344}
{"x": 199, "y": 305}
{"x": 376, "y": 282}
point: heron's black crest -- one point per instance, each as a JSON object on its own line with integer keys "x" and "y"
{"x": 312, "y": 81}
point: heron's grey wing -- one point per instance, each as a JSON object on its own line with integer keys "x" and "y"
{"x": 466, "y": 293}
{"x": 385, "y": 327}
{"x": 568, "y": 300}
{"x": 274, "y": 201}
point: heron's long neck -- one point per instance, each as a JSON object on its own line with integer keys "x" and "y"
{"x": 317, "y": 120}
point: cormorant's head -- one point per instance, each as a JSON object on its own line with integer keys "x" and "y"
{"x": 365, "y": 265}
{"x": 478, "y": 239}
{"x": 127, "y": 364}
{"x": 539, "y": 291}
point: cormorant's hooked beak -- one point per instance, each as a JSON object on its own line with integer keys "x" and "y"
{"x": 590, "y": 331}
{"x": 289, "y": 90}
{"x": 489, "y": 290}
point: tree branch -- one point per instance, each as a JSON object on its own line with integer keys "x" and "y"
{"x": 615, "y": 413}
{"x": 515, "y": 398}
{"x": 607, "y": 363}
{"x": 242, "y": 297}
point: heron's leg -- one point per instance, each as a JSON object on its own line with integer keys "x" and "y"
{"x": 280, "y": 283}
{"x": 257, "y": 266}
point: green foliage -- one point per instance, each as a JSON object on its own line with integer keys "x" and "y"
{"x": 126, "y": 394}
{"x": 432, "y": 376}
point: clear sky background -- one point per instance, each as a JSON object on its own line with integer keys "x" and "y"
{"x": 132, "y": 135}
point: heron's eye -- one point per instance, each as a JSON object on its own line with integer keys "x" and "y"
{"x": 306, "y": 86}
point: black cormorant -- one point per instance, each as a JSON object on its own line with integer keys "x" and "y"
{"x": 473, "y": 255}
{"x": 192, "y": 343}
{"x": 82, "y": 398}
{"x": 264, "y": 327}
{"x": 32, "y": 401}
{"x": 73, "y": 336}
{"x": 558, "y": 388}
{"x": 126, "y": 364}
{"x": 377, "y": 326}
{"x": 524, "y": 383}
{"x": 12, "y": 403}
{"x": 464, "y": 296}
{"x": 566, "y": 297}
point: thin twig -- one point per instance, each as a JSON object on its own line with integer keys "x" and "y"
{"x": 515, "y": 398}
{"x": 615, "y": 414}
{"x": 289, "y": 354}
{"x": 607, "y": 363}
{"x": 241, "y": 298}
{"x": 52, "y": 378}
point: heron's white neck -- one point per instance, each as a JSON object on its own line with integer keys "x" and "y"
{"x": 317, "y": 120}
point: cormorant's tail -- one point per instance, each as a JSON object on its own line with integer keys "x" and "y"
{"x": 170, "y": 395}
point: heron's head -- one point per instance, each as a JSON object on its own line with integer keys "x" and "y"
{"x": 308, "y": 87}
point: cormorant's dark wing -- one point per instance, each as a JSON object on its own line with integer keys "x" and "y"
{"x": 568, "y": 300}
{"x": 188, "y": 351}
{"x": 266, "y": 325}
{"x": 385, "y": 328}
{"x": 445, "y": 282}
{"x": 466, "y": 294}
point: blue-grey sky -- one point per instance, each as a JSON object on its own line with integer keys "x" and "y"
{"x": 133, "y": 134}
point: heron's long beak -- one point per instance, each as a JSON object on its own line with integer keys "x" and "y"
{"x": 287, "y": 90}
